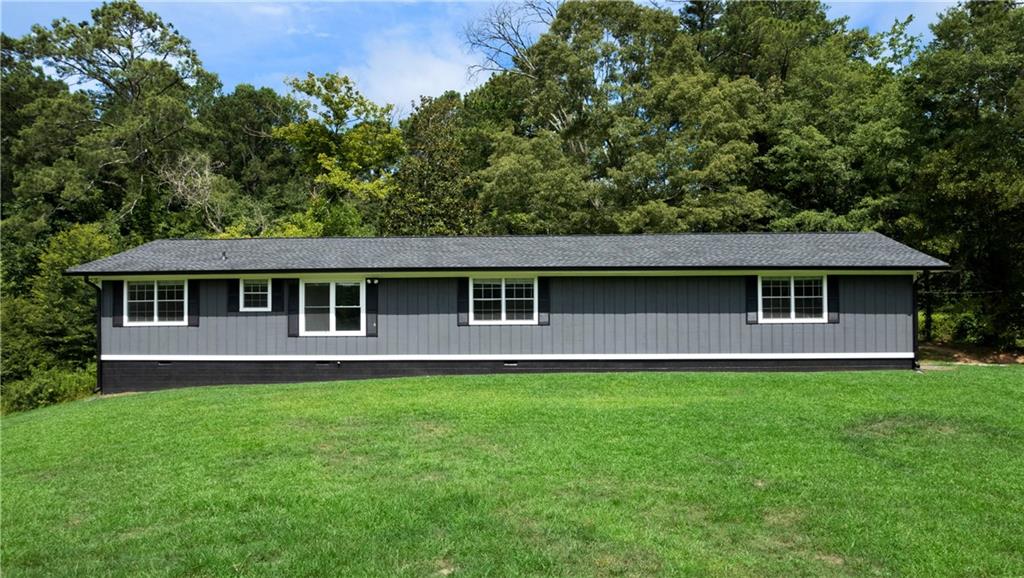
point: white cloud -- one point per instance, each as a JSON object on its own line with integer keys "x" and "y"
{"x": 277, "y": 10}
{"x": 266, "y": 21}
{"x": 404, "y": 63}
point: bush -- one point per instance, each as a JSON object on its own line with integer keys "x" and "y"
{"x": 943, "y": 326}
{"x": 47, "y": 387}
{"x": 956, "y": 325}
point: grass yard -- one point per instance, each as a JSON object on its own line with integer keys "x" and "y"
{"x": 568, "y": 475}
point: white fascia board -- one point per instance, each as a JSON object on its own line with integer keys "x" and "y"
{"x": 520, "y": 357}
{"x": 342, "y": 275}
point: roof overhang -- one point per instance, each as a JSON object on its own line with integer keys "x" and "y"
{"x": 470, "y": 272}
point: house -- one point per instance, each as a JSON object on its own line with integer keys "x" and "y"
{"x": 193, "y": 312}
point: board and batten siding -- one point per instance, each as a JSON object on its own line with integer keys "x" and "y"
{"x": 589, "y": 315}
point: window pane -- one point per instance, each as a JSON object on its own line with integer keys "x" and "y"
{"x": 775, "y": 298}
{"x": 318, "y": 306}
{"x": 170, "y": 297}
{"x": 140, "y": 311}
{"x": 140, "y": 301}
{"x": 487, "y": 289}
{"x": 170, "y": 290}
{"x": 518, "y": 299}
{"x": 318, "y": 295}
{"x": 255, "y": 301}
{"x": 255, "y": 293}
{"x": 170, "y": 310}
{"x": 346, "y": 319}
{"x": 519, "y": 289}
{"x": 810, "y": 298}
{"x": 487, "y": 299}
{"x": 519, "y": 309}
{"x": 346, "y": 294}
{"x": 140, "y": 291}
{"x": 318, "y": 318}
{"x": 487, "y": 309}
{"x": 255, "y": 285}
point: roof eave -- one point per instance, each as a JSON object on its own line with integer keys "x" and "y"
{"x": 72, "y": 272}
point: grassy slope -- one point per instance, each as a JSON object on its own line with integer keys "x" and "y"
{"x": 615, "y": 474}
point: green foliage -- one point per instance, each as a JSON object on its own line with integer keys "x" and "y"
{"x": 242, "y": 146}
{"x": 533, "y": 187}
{"x": 323, "y": 218}
{"x": 968, "y": 185}
{"x": 347, "y": 141}
{"x": 22, "y": 348}
{"x": 47, "y": 387}
{"x": 55, "y": 323}
{"x": 436, "y": 190}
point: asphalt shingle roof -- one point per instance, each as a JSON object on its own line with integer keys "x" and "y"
{"x": 681, "y": 251}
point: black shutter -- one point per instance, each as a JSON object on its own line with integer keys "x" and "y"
{"x": 833, "y": 299}
{"x": 371, "y": 307}
{"x": 193, "y": 302}
{"x": 751, "y": 299}
{"x": 233, "y": 285}
{"x": 544, "y": 301}
{"x": 277, "y": 295}
{"x": 292, "y": 296}
{"x": 117, "y": 293}
{"x": 463, "y": 299}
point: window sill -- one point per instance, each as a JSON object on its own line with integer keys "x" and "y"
{"x": 156, "y": 323}
{"x": 332, "y": 334}
{"x": 789, "y": 321}
{"x": 525, "y": 322}
{"x": 254, "y": 309}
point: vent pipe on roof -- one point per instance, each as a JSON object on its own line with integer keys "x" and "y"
{"x": 223, "y": 255}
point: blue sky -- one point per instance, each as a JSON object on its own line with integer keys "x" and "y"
{"x": 394, "y": 51}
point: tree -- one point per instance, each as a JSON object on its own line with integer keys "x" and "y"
{"x": 23, "y": 84}
{"x": 435, "y": 190}
{"x": 54, "y": 324}
{"x": 239, "y": 129}
{"x": 505, "y": 33}
{"x": 533, "y": 187}
{"x": 130, "y": 53}
{"x": 762, "y": 39}
{"x": 346, "y": 141}
{"x": 322, "y": 218}
{"x": 193, "y": 183}
{"x": 96, "y": 152}
{"x": 966, "y": 196}
{"x": 699, "y": 19}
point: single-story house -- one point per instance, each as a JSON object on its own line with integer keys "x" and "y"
{"x": 184, "y": 312}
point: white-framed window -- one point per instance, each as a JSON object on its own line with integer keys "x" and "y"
{"x": 254, "y": 294}
{"x": 792, "y": 299}
{"x": 332, "y": 307}
{"x": 156, "y": 302}
{"x": 503, "y": 301}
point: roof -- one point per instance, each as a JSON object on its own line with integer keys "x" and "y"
{"x": 578, "y": 252}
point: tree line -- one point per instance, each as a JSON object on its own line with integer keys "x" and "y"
{"x": 595, "y": 117}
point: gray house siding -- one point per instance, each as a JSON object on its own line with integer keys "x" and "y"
{"x": 589, "y": 315}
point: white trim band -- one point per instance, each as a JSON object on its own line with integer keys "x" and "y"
{"x": 517, "y": 357}
{"x": 517, "y": 273}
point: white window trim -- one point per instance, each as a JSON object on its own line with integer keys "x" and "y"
{"x": 503, "y": 321}
{"x": 361, "y": 332}
{"x": 792, "y": 300}
{"x": 156, "y": 309}
{"x": 241, "y": 295}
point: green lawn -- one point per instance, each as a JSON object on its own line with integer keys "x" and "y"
{"x": 570, "y": 475}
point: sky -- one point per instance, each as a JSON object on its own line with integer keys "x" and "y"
{"x": 394, "y": 51}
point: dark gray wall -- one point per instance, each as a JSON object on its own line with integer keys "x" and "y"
{"x": 588, "y": 315}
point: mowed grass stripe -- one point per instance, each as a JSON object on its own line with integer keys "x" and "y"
{"x": 563, "y": 474}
